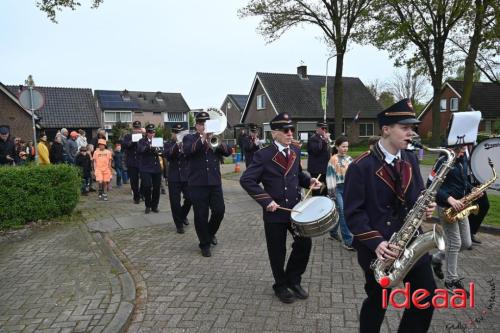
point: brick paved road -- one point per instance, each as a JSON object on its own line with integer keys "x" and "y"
{"x": 231, "y": 291}
{"x": 57, "y": 280}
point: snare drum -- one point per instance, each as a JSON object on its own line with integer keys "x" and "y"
{"x": 480, "y": 168}
{"x": 317, "y": 216}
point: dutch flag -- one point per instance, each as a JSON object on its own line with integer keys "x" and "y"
{"x": 357, "y": 116}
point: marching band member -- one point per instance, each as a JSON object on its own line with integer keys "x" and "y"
{"x": 251, "y": 145}
{"x": 150, "y": 169}
{"x": 318, "y": 149}
{"x": 278, "y": 168}
{"x": 455, "y": 186}
{"x": 381, "y": 186}
{"x": 204, "y": 182}
{"x": 132, "y": 160}
{"x": 177, "y": 180}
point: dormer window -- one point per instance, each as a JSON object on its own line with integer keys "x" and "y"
{"x": 125, "y": 95}
{"x": 142, "y": 96}
{"x": 159, "y": 96}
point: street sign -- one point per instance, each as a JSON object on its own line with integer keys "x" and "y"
{"x": 27, "y": 97}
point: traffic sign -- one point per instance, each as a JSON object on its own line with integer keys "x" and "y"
{"x": 31, "y": 99}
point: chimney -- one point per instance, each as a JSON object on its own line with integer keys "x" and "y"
{"x": 302, "y": 72}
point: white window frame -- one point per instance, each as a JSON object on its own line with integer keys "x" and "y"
{"x": 118, "y": 116}
{"x": 441, "y": 107}
{"x": 261, "y": 102}
{"x": 174, "y": 117}
{"x": 367, "y": 125}
{"x": 453, "y": 104}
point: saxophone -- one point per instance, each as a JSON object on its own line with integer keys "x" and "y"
{"x": 390, "y": 273}
{"x": 452, "y": 216}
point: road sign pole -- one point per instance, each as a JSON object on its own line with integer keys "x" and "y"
{"x": 33, "y": 122}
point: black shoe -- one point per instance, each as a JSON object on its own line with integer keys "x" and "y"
{"x": 163, "y": 191}
{"x": 186, "y": 221}
{"x": 299, "y": 291}
{"x": 155, "y": 210}
{"x": 348, "y": 247}
{"x": 475, "y": 240}
{"x": 147, "y": 210}
{"x": 206, "y": 252}
{"x": 214, "y": 240}
{"x": 285, "y": 295}
{"x": 137, "y": 201}
{"x": 180, "y": 230}
{"x": 436, "y": 267}
{"x": 455, "y": 284}
{"x": 334, "y": 237}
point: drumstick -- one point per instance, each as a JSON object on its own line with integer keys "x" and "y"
{"x": 310, "y": 189}
{"x": 290, "y": 210}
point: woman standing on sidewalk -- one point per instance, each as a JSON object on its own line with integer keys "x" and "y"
{"x": 335, "y": 175}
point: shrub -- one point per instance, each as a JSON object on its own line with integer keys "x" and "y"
{"x": 30, "y": 193}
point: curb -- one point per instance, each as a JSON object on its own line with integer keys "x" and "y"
{"x": 125, "y": 310}
{"x": 490, "y": 229}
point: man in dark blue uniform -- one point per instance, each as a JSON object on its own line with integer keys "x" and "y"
{"x": 251, "y": 144}
{"x": 278, "y": 168}
{"x": 150, "y": 169}
{"x": 319, "y": 153}
{"x": 381, "y": 187}
{"x": 177, "y": 179}
{"x": 204, "y": 182}
{"x": 132, "y": 160}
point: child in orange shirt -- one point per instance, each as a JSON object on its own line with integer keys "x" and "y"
{"x": 102, "y": 168}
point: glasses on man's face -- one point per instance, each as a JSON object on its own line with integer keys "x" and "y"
{"x": 324, "y": 128}
{"x": 286, "y": 130}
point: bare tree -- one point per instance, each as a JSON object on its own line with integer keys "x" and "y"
{"x": 339, "y": 20}
{"x": 410, "y": 85}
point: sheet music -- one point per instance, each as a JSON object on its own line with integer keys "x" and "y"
{"x": 157, "y": 142}
{"x": 136, "y": 137}
{"x": 464, "y": 127}
{"x": 212, "y": 126}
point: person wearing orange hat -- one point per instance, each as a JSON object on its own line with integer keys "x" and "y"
{"x": 102, "y": 168}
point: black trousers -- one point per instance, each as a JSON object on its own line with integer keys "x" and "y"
{"x": 133, "y": 174}
{"x": 476, "y": 220}
{"x": 179, "y": 212}
{"x": 322, "y": 190}
{"x": 151, "y": 188}
{"x": 276, "y": 248}
{"x": 413, "y": 320}
{"x": 205, "y": 198}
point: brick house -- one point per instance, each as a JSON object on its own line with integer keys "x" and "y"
{"x": 300, "y": 95}
{"x": 232, "y": 107}
{"x": 71, "y": 108}
{"x": 156, "y": 108}
{"x": 14, "y": 115}
{"x": 485, "y": 97}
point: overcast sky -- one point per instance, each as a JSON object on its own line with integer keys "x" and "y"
{"x": 199, "y": 48}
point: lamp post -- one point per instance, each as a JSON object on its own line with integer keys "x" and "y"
{"x": 30, "y": 83}
{"x": 326, "y": 84}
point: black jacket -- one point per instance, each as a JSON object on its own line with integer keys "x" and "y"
{"x": 84, "y": 163}
{"x": 56, "y": 153}
{"x": 7, "y": 148}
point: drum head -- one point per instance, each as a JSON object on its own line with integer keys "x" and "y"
{"x": 312, "y": 209}
{"x": 479, "y": 161}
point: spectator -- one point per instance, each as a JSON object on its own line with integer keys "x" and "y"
{"x": 64, "y": 142}
{"x": 83, "y": 161}
{"x": 57, "y": 150}
{"x": 90, "y": 152}
{"x": 23, "y": 158}
{"x": 81, "y": 141}
{"x": 372, "y": 140}
{"x": 72, "y": 147}
{"x": 7, "y": 147}
{"x": 118, "y": 164}
{"x": 102, "y": 168}
{"x": 31, "y": 151}
{"x": 43, "y": 151}
{"x": 18, "y": 148}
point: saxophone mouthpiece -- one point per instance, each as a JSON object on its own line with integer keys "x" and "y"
{"x": 415, "y": 143}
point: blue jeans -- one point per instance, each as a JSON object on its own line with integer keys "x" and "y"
{"x": 125, "y": 176}
{"x": 339, "y": 203}
{"x": 119, "y": 174}
{"x": 85, "y": 184}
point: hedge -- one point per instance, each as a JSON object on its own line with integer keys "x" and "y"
{"x": 32, "y": 193}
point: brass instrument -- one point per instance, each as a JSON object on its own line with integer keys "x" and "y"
{"x": 216, "y": 114}
{"x": 390, "y": 273}
{"x": 452, "y": 216}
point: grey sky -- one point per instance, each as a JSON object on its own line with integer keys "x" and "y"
{"x": 198, "y": 48}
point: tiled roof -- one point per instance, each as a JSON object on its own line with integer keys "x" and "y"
{"x": 485, "y": 97}
{"x": 66, "y": 107}
{"x": 302, "y": 97}
{"x": 141, "y": 100}
{"x": 239, "y": 100}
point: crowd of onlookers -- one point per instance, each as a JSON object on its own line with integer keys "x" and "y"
{"x": 66, "y": 147}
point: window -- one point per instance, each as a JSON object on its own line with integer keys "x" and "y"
{"x": 138, "y": 113}
{"x": 118, "y": 116}
{"x": 157, "y": 113}
{"x": 454, "y": 104}
{"x": 174, "y": 117}
{"x": 365, "y": 129}
{"x": 261, "y": 102}
{"x": 443, "y": 105}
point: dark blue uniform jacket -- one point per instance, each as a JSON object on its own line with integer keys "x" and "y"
{"x": 149, "y": 158}
{"x": 178, "y": 165}
{"x": 281, "y": 181}
{"x": 132, "y": 157}
{"x": 250, "y": 148}
{"x": 319, "y": 155}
